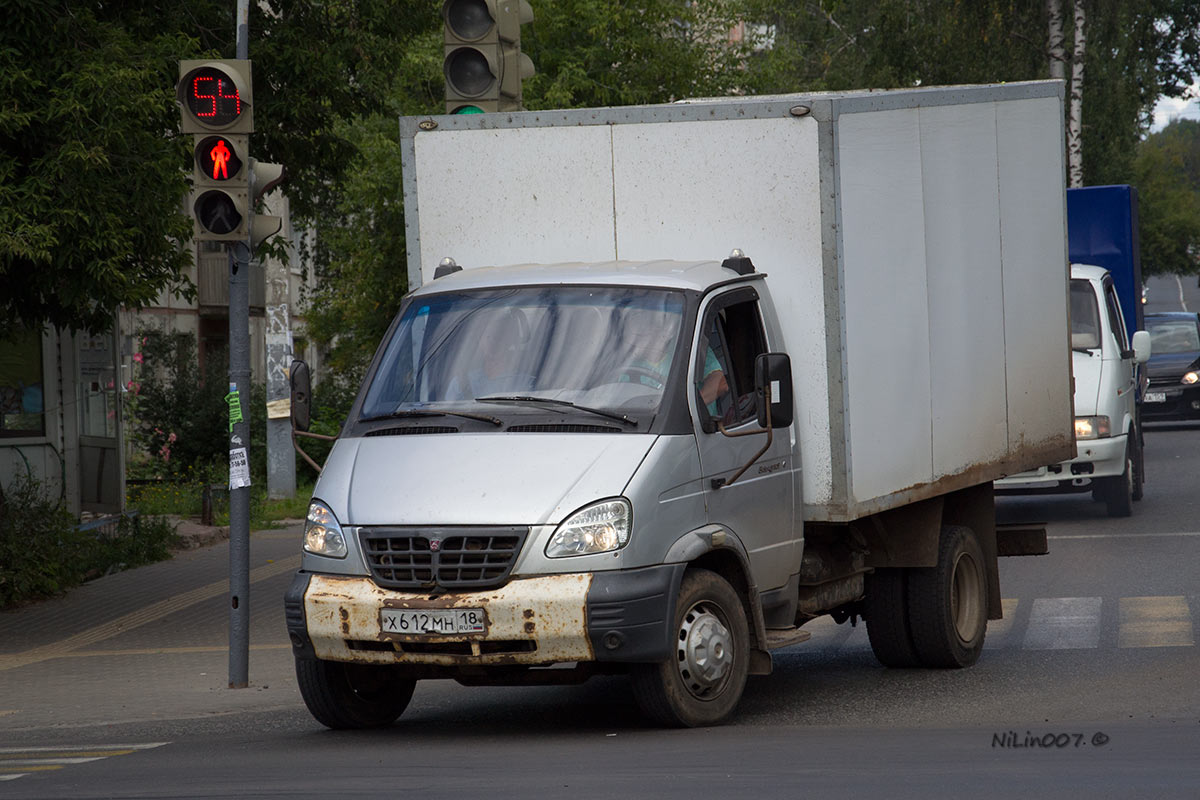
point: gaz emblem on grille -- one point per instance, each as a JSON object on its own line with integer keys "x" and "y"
{"x": 435, "y": 545}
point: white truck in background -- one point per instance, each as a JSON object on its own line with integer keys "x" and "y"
{"x": 1107, "y": 426}
{"x": 601, "y": 446}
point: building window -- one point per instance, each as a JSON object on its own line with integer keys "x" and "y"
{"x": 22, "y": 387}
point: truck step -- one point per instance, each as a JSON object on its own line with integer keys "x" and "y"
{"x": 786, "y": 637}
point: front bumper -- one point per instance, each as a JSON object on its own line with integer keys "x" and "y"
{"x": 620, "y": 616}
{"x": 1098, "y": 458}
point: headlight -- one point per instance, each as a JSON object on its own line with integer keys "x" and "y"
{"x": 597, "y": 528}
{"x": 322, "y": 533}
{"x": 1190, "y": 378}
{"x": 1091, "y": 427}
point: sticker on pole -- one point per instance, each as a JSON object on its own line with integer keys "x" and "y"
{"x": 239, "y": 468}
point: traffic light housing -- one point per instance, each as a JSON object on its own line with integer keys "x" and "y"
{"x": 216, "y": 104}
{"x": 484, "y": 65}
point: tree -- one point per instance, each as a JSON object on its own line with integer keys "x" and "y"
{"x": 1167, "y": 173}
{"x": 91, "y": 179}
{"x": 93, "y": 175}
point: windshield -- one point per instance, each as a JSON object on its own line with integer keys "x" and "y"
{"x": 603, "y": 348}
{"x": 1173, "y": 335}
{"x": 1085, "y": 316}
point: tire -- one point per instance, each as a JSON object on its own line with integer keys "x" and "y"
{"x": 703, "y": 681}
{"x": 947, "y": 604}
{"x": 1118, "y": 491}
{"x": 351, "y": 696}
{"x": 886, "y": 612}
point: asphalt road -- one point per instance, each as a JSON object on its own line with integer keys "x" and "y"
{"x": 1088, "y": 688}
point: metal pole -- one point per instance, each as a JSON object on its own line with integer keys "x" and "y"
{"x": 239, "y": 433}
{"x": 239, "y": 466}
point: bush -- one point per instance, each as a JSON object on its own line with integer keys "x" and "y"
{"x": 179, "y": 414}
{"x": 43, "y": 553}
{"x": 39, "y": 545}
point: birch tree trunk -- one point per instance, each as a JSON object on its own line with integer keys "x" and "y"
{"x": 1056, "y": 50}
{"x": 1074, "y": 117}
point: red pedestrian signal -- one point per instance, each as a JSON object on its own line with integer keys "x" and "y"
{"x": 218, "y": 158}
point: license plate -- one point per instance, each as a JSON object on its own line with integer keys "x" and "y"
{"x": 1155, "y": 397}
{"x": 438, "y": 621}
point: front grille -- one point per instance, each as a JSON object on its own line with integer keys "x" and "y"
{"x": 458, "y": 558}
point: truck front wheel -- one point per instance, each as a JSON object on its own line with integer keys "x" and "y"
{"x": 702, "y": 682}
{"x": 947, "y": 603}
{"x": 348, "y": 696}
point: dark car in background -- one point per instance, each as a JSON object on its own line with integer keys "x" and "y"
{"x": 1174, "y": 366}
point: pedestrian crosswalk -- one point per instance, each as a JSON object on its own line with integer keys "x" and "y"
{"x": 18, "y": 762}
{"x": 1059, "y": 623}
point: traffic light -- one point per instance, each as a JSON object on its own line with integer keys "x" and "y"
{"x": 264, "y": 178}
{"x": 484, "y": 65}
{"x": 215, "y": 99}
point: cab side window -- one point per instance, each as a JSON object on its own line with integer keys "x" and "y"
{"x": 733, "y": 338}
{"x": 1115, "y": 320}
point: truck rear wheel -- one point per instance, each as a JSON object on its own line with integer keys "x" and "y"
{"x": 347, "y": 696}
{"x": 886, "y": 612}
{"x": 702, "y": 682}
{"x": 947, "y": 603}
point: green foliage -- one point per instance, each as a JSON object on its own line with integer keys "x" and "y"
{"x": 178, "y": 413}
{"x": 1167, "y": 174}
{"x": 590, "y": 53}
{"x": 43, "y": 553}
{"x": 91, "y": 180}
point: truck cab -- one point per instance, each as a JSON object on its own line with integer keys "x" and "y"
{"x": 1108, "y": 434}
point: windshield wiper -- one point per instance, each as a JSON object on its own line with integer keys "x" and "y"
{"x": 414, "y": 412}
{"x": 525, "y": 398}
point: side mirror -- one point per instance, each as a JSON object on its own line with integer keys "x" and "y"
{"x": 774, "y": 370}
{"x": 301, "y": 384}
{"x": 1141, "y": 347}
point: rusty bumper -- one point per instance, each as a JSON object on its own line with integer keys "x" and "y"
{"x": 620, "y": 616}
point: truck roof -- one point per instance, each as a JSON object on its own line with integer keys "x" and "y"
{"x": 687, "y": 275}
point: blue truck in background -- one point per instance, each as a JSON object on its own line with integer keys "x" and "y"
{"x": 1102, "y": 229}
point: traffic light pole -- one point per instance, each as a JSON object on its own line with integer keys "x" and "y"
{"x": 239, "y": 465}
{"x": 239, "y": 432}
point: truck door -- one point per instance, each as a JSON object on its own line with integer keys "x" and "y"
{"x": 758, "y": 506}
{"x": 1127, "y": 370}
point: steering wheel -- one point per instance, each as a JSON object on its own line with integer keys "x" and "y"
{"x": 640, "y": 376}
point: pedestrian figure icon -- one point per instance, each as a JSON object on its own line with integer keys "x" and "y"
{"x": 220, "y": 157}
{"x": 217, "y": 158}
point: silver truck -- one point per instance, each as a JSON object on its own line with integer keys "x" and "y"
{"x": 592, "y": 442}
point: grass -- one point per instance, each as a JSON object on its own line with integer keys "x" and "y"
{"x": 185, "y": 500}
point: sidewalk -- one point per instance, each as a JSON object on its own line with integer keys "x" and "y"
{"x": 151, "y": 643}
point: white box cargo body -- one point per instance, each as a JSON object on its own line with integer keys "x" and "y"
{"x": 914, "y": 243}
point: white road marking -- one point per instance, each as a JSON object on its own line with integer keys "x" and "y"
{"x": 1063, "y": 623}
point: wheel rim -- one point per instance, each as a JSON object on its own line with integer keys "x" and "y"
{"x": 705, "y": 654}
{"x": 965, "y": 598}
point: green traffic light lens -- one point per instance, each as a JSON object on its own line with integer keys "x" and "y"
{"x": 468, "y": 110}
